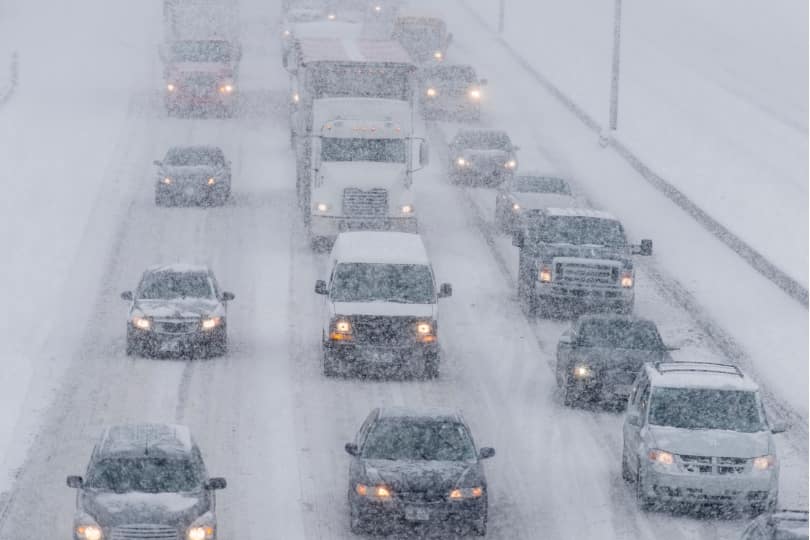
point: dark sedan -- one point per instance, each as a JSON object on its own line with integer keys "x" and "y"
{"x": 193, "y": 174}
{"x": 177, "y": 310}
{"x": 451, "y": 90}
{"x": 417, "y": 468}
{"x": 599, "y": 356}
{"x": 481, "y": 157}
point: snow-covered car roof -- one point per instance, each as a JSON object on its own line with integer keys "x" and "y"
{"x": 179, "y": 268}
{"x": 699, "y": 375}
{"x": 145, "y": 439}
{"x": 353, "y": 50}
{"x": 580, "y": 212}
{"x": 611, "y": 317}
{"x": 418, "y": 13}
{"x": 379, "y": 247}
{"x": 433, "y": 413}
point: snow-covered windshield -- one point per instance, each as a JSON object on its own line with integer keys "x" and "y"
{"x": 417, "y": 440}
{"x": 620, "y": 334}
{"x": 201, "y": 51}
{"x": 483, "y": 140}
{"x": 421, "y": 34}
{"x": 150, "y": 475}
{"x": 357, "y": 80}
{"x": 706, "y": 408}
{"x": 365, "y": 282}
{"x": 185, "y": 157}
{"x": 380, "y": 150}
{"x": 540, "y": 184}
{"x": 579, "y": 230}
{"x": 172, "y": 285}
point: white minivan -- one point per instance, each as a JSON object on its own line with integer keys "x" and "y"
{"x": 381, "y": 309}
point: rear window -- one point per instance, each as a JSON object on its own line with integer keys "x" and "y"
{"x": 620, "y": 334}
{"x": 186, "y": 157}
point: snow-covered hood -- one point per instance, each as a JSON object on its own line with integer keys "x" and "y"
{"x": 189, "y": 170}
{"x": 217, "y": 68}
{"x": 554, "y": 251}
{"x": 629, "y": 360}
{"x": 362, "y": 174}
{"x": 486, "y": 155}
{"x": 710, "y": 442}
{"x": 388, "y": 309}
{"x": 536, "y": 201}
{"x": 409, "y": 476}
{"x": 328, "y": 109}
{"x": 111, "y": 509}
{"x": 181, "y": 308}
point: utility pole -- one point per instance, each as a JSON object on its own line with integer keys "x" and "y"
{"x": 614, "y": 80}
{"x": 501, "y": 9}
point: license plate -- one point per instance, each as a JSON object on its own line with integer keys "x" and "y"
{"x": 189, "y": 191}
{"x": 169, "y": 346}
{"x": 383, "y": 357}
{"x": 417, "y": 514}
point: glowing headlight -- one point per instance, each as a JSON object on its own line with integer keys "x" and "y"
{"x": 286, "y": 33}
{"x": 378, "y": 492}
{"x": 431, "y": 92}
{"x": 763, "y": 463}
{"x": 424, "y": 328}
{"x": 407, "y": 209}
{"x": 343, "y": 326}
{"x": 627, "y": 280}
{"x": 461, "y": 162}
{"x": 378, "y": 8}
{"x": 211, "y": 181}
{"x": 167, "y": 180}
{"x": 200, "y": 533}
{"x": 511, "y": 164}
{"x": 582, "y": 372}
{"x": 321, "y": 207}
{"x": 475, "y": 94}
{"x": 331, "y": 16}
{"x": 516, "y": 207}
{"x": 466, "y": 493}
{"x": 662, "y": 457}
{"x": 341, "y": 330}
{"x": 171, "y": 87}
{"x": 296, "y": 98}
{"x": 438, "y": 55}
{"x": 544, "y": 275}
{"x": 226, "y": 88}
{"x": 89, "y": 532}
{"x": 211, "y": 323}
{"x": 142, "y": 323}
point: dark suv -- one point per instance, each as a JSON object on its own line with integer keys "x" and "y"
{"x": 145, "y": 481}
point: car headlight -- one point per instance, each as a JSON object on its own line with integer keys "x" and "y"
{"x": 141, "y": 323}
{"x": 582, "y": 371}
{"x": 227, "y": 88}
{"x": 296, "y": 97}
{"x": 475, "y": 94}
{"x": 661, "y": 457}
{"x": 544, "y": 274}
{"x": 377, "y": 8}
{"x": 341, "y": 330}
{"x": 321, "y": 207}
{"x": 331, "y": 16}
{"x": 167, "y": 180}
{"x": 763, "y": 463}
{"x": 380, "y": 492}
{"x": 431, "y": 92}
{"x": 171, "y": 87}
{"x": 211, "y": 323}
{"x": 406, "y": 209}
{"x": 204, "y": 532}
{"x": 516, "y": 207}
{"x": 438, "y": 55}
{"x": 627, "y": 280}
{"x": 461, "y": 162}
{"x": 511, "y": 164}
{"x": 286, "y": 33}
{"x": 211, "y": 181}
{"x": 89, "y": 532}
{"x": 425, "y": 332}
{"x": 466, "y": 493}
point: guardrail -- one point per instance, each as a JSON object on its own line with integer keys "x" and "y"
{"x": 14, "y": 78}
{"x": 755, "y": 259}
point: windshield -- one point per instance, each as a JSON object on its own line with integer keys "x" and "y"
{"x": 579, "y": 230}
{"x": 418, "y": 440}
{"x": 380, "y": 150}
{"x": 185, "y": 157}
{"x": 422, "y": 34}
{"x": 620, "y": 335}
{"x": 171, "y": 285}
{"x": 450, "y": 77}
{"x": 151, "y": 475}
{"x": 484, "y": 140}
{"x": 365, "y": 282}
{"x": 358, "y": 80}
{"x": 201, "y": 51}
{"x": 539, "y": 184}
{"x": 706, "y": 408}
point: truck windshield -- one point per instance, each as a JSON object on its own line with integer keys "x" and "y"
{"x": 578, "y": 230}
{"x": 341, "y": 80}
{"x": 706, "y": 408}
{"x": 201, "y": 51}
{"x": 367, "y": 282}
{"x": 380, "y": 150}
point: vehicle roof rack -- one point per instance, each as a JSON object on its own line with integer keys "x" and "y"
{"x": 698, "y": 367}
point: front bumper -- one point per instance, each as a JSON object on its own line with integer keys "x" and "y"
{"x": 381, "y": 360}
{"x": 179, "y": 101}
{"x": 150, "y": 343}
{"x": 608, "y": 296}
{"x": 482, "y": 174}
{"x": 191, "y": 191}
{"x": 398, "y": 513}
{"x": 461, "y": 105}
{"x": 330, "y": 226}
{"x": 739, "y": 490}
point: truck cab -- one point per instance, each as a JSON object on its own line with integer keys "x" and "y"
{"x": 575, "y": 256}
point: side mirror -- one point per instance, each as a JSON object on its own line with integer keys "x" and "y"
{"x": 320, "y": 287}
{"x": 227, "y": 296}
{"x": 127, "y": 295}
{"x": 634, "y": 419}
{"x": 486, "y": 452}
{"x": 75, "y": 482}
{"x": 158, "y": 163}
{"x": 446, "y": 290}
{"x": 216, "y": 483}
{"x": 351, "y": 449}
{"x": 483, "y": 82}
{"x": 645, "y": 248}
{"x": 779, "y": 427}
{"x": 424, "y": 153}
{"x": 518, "y": 239}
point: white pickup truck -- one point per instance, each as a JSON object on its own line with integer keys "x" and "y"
{"x": 361, "y": 159}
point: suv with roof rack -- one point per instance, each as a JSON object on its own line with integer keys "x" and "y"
{"x": 145, "y": 481}
{"x": 696, "y": 432}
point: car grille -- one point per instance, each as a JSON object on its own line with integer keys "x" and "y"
{"x": 375, "y": 330}
{"x": 713, "y": 465}
{"x": 423, "y": 496}
{"x": 144, "y": 532}
{"x": 586, "y": 274}
{"x": 177, "y": 327}
{"x": 359, "y": 203}
{"x": 200, "y": 84}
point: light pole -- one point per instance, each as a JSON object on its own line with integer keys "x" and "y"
{"x": 614, "y": 79}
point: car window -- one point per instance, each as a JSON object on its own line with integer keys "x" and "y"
{"x": 201, "y": 51}
{"x": 643, "y": 399}
{"x": 706, "y": 408}
{"x": 377, "y": 150}
{"x": 364, "y": 282}
{"x": 578, "y": 230}
{"x": 620, "y": 334}
{"x": 173, "y": 285}
{"x": 483, "y": 140}
{"x": 150, "y": 475}
{"x": 417, "y": 440}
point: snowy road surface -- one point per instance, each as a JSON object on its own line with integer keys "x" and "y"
{"x": 264, "y": 415}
